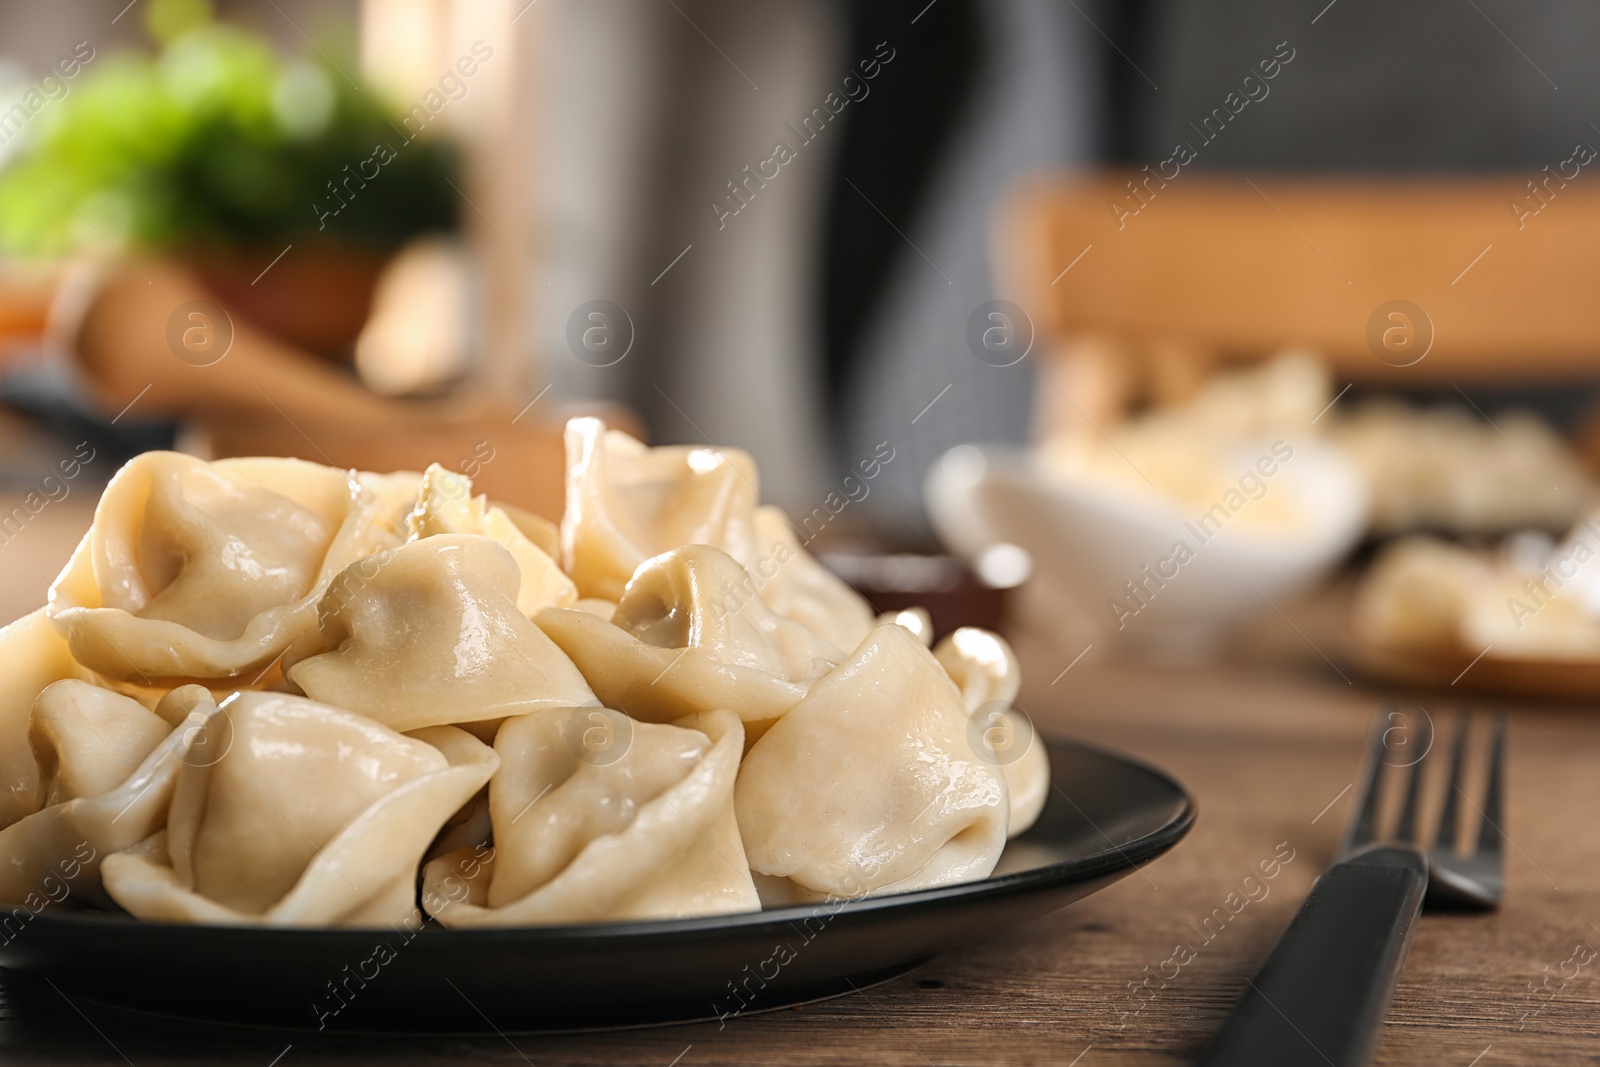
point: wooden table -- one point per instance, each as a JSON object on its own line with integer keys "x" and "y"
{"x": 1269, "y": 745}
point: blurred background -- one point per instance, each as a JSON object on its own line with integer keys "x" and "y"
{"x": 1151, "y": 319}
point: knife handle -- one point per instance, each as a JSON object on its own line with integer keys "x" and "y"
{"x": 1321, "y": 998}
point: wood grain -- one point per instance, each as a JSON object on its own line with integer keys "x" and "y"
{"x": 1268, "y": 743}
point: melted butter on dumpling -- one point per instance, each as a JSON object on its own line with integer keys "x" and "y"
{"x": 985, "y": 669}
{"x": 627, "y": 502}
{"x": 299, "y": 814}
{"x": 208, "y": 570}
{"x": 869, "y": 784}
{"x": 639, "y": 827}
{"x": 428, "y": 634}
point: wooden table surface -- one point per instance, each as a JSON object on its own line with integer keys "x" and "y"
{"x": 1268, "y": 743}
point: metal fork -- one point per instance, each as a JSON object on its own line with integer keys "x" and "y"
{"x": 1322, "y": 995}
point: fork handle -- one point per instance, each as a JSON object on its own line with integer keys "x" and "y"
{"x": 1322, "y": 995}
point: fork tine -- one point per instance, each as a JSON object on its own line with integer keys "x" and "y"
{"x": 1490, "y": 834}
{"x": 1449, "y": 834}
{"x": 1407, "y": 828}
{"x": 1364, "y": 827}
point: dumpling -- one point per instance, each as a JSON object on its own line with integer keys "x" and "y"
{"x": 428, "y": 634}
{"x": 106, "y": 770}
{"x": 32, "y": 655}
{"x": 541, "y": 531}
{"x": 868, "y": 785}
{"x": 649, "y": 833}
{"x": 699, "y": 597}
{"x": 917, "y": 620}
{"x": 690, "y": 634}
{"x": 87, "y": 740}
{"x": 396, "y": 495}
{"x": 797, "y": 587}
{"x": 207, "y": 570}
{"x": 307, "y": 816}
{"x": 627, "y": 503}
{"x": 446, "y": 505}
{"x": 985, "y": 669}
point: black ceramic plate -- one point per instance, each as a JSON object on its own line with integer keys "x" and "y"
{"x": 1106, "y": 816}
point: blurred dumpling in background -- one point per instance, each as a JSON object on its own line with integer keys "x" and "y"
{"x": 208, "y": 570}
{"x": 639, "y": 825}
{"x": 1448, "y": 469}
{"x": 870, "y": 784}
{"x": 691, "y": 634}
{"x": 1431, "y": 598}
{"x": 300, "y": 815}
{"x": 627, "y": 502}
{"x": 985, "y": 669}
{"x": 428, "y": 634}
{"x": 1417, "y": 594}
{"x": 105, "y": 772}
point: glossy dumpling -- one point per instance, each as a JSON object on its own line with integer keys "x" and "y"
{"x": 87, "y": 740}
{"x": 445, "y": 505}
{"x": 691, "y": 634}
{"x": 207, "y": 570}
{"x": 103, "y": 793}
{"x": 797, "y": 587}
{"x": 700, "y": 597}
{"x": 583, "y": 836}
{"x": 627, "y": 502}
{"x": 985, "y": 669}
{"x": 869, "y": 785}
{"x": 917, "y": 620}
{"x": 428, "y": 634}
{"x": 32, "y": 656}
{"x": 303, "y": 815}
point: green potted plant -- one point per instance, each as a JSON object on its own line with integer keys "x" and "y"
{"x": 221, "y": 153}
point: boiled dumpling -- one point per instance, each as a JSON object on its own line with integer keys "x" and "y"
{"x": 32, "y": 655}
{"x": 396, "y": 495}
{"x": 869, "y": 785}
{"x": 107, "y": 767}
{"x": 446, "y": 505}
{"x": 87, "y": 740}
{"x": 304, "y": 815}
{"x": 207, "y": 570}
{"x": 690, "y": 634}
{"x": 699, "y": 597}
{"x": 428, "y": 634}
{"x": 797, "y": 587}
{"x": 916, "y": 620}
{"x": 641, "y": 827}
{"x": 983, "y": 666}
{"x": 627, "y": 503}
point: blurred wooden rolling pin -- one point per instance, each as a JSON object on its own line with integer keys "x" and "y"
{"x": 265, "y": 397}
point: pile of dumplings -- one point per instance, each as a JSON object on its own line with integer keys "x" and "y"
{"x": 268, "y": 692}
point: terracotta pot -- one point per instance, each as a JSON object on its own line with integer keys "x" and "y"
{"x": 316, "y": 297}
